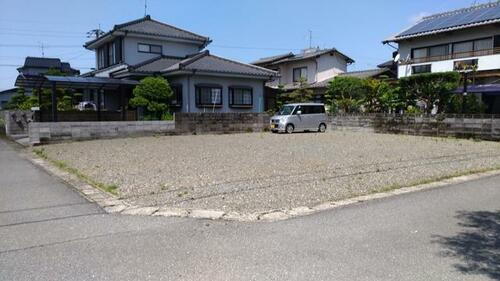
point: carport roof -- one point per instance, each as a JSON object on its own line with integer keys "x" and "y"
{"x": 47, "y": 81}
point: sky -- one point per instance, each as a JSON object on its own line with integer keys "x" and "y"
{"x": 243, "y": 30}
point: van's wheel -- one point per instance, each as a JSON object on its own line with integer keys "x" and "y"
{"x": 289, "y": 128}
{"x": 322, "y": 128}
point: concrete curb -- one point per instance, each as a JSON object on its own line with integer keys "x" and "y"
{"x": 113, "y": 205}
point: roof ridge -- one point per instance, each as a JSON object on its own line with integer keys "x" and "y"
{"x": 245, "y": 64}
{"x": 121, "y": 25}
{"x": 189, "y": 60}
{"x": 462, "y": 10}
{"x": 180, "y": 29}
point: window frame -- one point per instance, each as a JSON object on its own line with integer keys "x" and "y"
{"x": 413, "y": 72}
{"x": 198, "y": 89}
{"x": 149, "y": 48}
{"x": 179, "y": 95}
{"x": 300, "y": 69}
{"x": 231, "y": 97}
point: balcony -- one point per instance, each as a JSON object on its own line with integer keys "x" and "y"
{"x": 481, "y": 53}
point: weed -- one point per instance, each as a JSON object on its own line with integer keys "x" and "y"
{"x": 110, "y": 188}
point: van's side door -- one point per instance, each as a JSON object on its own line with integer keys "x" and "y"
{"x": 298, "y": 120}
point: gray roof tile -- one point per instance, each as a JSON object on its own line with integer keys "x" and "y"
{"x": 301, "y": 56}
{"x": 203, "y": 61}
{"x": 148, "y": 26}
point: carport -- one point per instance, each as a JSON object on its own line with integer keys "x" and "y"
{"x": 97, "y": 84}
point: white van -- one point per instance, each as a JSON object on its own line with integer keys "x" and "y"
{"x": 300, "y": 117}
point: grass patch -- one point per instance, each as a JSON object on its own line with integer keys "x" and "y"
{"x": 110, "y": 188}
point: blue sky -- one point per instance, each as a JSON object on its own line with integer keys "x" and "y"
{"x": 244, "y": 30}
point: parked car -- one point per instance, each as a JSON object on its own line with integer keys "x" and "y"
{"x": 300, "y": 117}
{"x": 86, "y": 105}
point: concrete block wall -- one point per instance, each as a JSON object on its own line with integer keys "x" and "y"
{"x": 485, "y": 127}
{"x": 51, "y": 132}
{"x": 16, "y": 122}
{"x": 218, "y": 123}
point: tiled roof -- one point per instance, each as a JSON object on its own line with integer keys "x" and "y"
{"x": 148, "y": 26}
{"x": 453, "y": 20}
{"x": 42, "y": 62}
{"x": 323, "y": 84}
{"x": 158, "y": 64}
{"x": 46, "y": 63}
{"x": 306, "y": 54}
{"x": 365, "y": 73}
{"x": 203, "y": 62}
{"x": 267, "y": 60}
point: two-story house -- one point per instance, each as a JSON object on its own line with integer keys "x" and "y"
{"x": 314, "y": 66}
{"x": 452, "y": 41}
{"x": 201, "y": 81}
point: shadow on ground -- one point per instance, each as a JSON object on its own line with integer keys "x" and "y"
{"x": 477, "y": 246}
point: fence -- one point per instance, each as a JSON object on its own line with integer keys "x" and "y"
{"x": 50, "y": 132}
{"x": 204, "y": 123}
{"x": 485, "y": 127}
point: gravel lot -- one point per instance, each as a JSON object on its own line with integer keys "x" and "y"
{"x": 262, "y": 171}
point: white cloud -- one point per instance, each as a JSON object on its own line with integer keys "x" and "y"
{"x": 416, "y": 18}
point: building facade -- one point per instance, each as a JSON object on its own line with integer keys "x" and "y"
{"x": 465, "y": 39}
{"x": 201, "y": 82}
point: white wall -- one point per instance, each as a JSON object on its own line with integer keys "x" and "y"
{"x": 132, "y": 55}
{"x": 485, "y": 62}
{"x": 318, "y": 69}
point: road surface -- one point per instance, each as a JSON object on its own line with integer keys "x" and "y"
{"x": 49, "y": 232}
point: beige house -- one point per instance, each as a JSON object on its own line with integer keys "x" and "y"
{"x": 314, "y": 65}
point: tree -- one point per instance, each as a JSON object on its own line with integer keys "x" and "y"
{"x": 17, "y": 99}
{"x": 302, "y": 94}
{"x": 346, "y": 94}
{"x": 153, "y": 94}
{"x": 433, "y": 89}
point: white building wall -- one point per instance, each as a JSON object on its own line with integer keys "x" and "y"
{"x": 132, "y": 56}
{"x": 330, "y": 66}
{"x": 484, "y": 63}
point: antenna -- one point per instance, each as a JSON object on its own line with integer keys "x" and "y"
{"x": 310, "y": 38}
{"x": 145, "y": 7}
{"x": 42, "y": 48}
{"x": 95, "y": 32}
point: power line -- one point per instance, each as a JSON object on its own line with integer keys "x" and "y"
{"x": 17, "y": 65}
{"x": 38, "y": 46}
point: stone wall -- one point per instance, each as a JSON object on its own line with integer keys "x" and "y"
{"x": 16, "y": 122}
{"x": 221, "y": 123}
{"x": 485, "y": 127}
{"x": 51, "y": 132}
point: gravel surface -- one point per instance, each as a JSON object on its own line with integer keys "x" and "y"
{"x": 262, "y": 171}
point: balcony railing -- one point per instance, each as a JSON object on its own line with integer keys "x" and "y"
{"x": 461, "y": 55}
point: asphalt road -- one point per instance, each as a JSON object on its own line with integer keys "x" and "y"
{"x": 49, "y": 232}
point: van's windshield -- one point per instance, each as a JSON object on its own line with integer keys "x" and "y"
{"x": 286, "y": 110}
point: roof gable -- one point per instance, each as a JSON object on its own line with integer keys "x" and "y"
{"x": 151, "y": 27}
{"x": 309, "y": 54}
{"x": 453, "y": 20}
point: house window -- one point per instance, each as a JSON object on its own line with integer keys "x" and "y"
{"x": 100, "y": 58}
{"x": 465, "y": 65}
{"x": 441, "y": 50}
{"x": 148, "y": 48}
{"x": 419, "y": 69}
{"x": 419, "y": 53}
{"x": 176, "y": 95}
{"x": 208, "y": 96}
{"x": 299, "y": 73}
{"x": 111, "y": 53}
{"x": 472, "y": 48}
{"x": 240, "y": 97}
